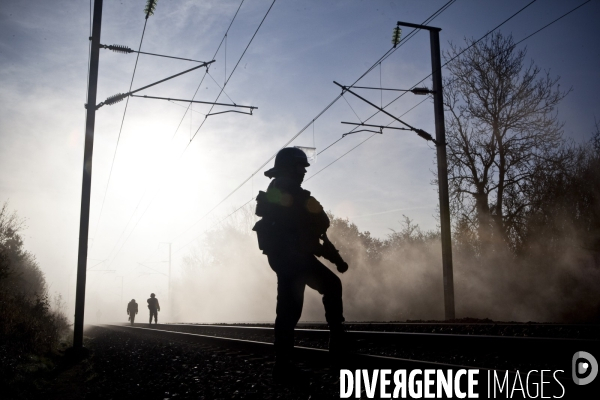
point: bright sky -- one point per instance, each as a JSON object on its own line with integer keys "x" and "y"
{"x": 162, "y": 185}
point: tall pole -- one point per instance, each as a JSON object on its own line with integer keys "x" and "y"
{"x": 121, "y": 290}
{"x": 84, "y": 219}
{"x": 442, "y": 164}
{"x": 170, "y": 299}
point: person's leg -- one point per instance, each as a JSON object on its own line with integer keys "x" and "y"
{"x": 150, "y": 317}
{"x": 324, "y": 281}
{"x": 290, "y": 298}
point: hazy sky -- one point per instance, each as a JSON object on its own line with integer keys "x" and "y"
{"x": 162, "y": 186}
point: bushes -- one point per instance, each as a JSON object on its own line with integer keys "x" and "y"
{"x": 29, "y": 326}
{"x": 28, "y": 322}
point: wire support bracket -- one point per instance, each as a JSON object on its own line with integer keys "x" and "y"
{"x": 201, "y": 102}
{"x": 381, "y": 128}
{"x": 117, "y": 48}
{"x": 231, "y": 111}
{"x": 119, "y": 97}
{"x": 417, "y": 90}
{"x": 418, "y": 131}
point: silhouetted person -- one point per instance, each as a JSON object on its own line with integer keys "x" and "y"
{"x": 154, "y": 308}
{"x": 289, "y": 233}
{"x": 132, "y": 310}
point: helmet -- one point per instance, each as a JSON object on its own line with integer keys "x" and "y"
{"x": 152, "y": 295}
{"x": 287, "y": 158}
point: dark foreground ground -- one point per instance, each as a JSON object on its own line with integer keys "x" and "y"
{"x": 122, "y": 366}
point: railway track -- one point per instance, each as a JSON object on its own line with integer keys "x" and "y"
{"x": 254, "y": 345}
{"x": 400, "y": 349}
{"x": 315, "y": 356}
{"x": 404, "y": 338}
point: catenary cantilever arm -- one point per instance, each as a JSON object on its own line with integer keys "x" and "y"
{"x": 418, "y": 131}
{"x": 118, "y": 97}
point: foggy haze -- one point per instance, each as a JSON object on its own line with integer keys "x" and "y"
{"x": 167, "y": 192}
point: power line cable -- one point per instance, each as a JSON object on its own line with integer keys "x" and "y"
{"x": 334, "y": 161}
{"x": 176, "y": 130}
{"x": 214, "y": 56}
{"x": 234, "y": 68}
{"x": 120, "y": 130}
{"x": 222, "y": 90}
{"x": 446, "y": 63}
{"x": 489, "y": 32}
{"x": 389, "y": 52}
{"x": 520, "y": 41}
{"x": 557, "y": 19}
{"x": 362, "y": 142}
{"x": 312, "y": 176}
{"x": 392, "y": 50}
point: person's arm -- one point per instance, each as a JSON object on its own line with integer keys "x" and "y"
{"x": 157, "y": 305}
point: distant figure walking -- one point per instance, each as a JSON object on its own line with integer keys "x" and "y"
{"x": 154, "y": 308}
{"x": 132, "y": 310}
{"x": 290, "y": 232}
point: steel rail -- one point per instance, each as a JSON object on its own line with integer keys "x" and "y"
{"x": 310, "y": 354}
{"x": 313, "y": 356}
{"x": 406, "y": 338}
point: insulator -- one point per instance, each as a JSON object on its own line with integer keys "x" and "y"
{"x": 396, "y": 36}
{"x": 114, "y": 99}
{"x": 150, "y": 7}
{"x": 119, "y": 49}
{"x": 420, "y": 91}
{"x": 424, "y": 134}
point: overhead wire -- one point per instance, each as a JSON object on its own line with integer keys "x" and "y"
{"x": 520, "y": 41}
{"x": 214, "y": 56}
{"x": 374, "y": 65}
{"x": 368, "y": 138}
{"x": 387, "y": 53}
{"x": 234, "y": 68}
{"x": 446, "y": 63}
{"x": 352, "y": 149}
{"x": 312, "y": 176}
{"x": 172, "y": 137}
{"x": 119, "y": 135}
{"x": 222, "y": 90}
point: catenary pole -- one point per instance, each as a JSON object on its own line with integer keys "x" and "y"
{"x": 84, "y": 218}
{"x": 442, "y": 166}
{"x": 170, "y": 297}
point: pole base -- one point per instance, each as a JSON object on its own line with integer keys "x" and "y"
{"x": 75, "y": 354}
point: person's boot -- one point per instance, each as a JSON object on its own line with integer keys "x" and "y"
{"x": 284, "y": 370}
{"x": 287, "y": 374}
{"x": 339, "y": 345}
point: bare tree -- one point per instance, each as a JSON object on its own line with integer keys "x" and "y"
{"x": 501, "y": 123}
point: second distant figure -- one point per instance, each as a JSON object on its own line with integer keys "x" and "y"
{"x": 132, "y": 310}
{"x": 154, "y": 308}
